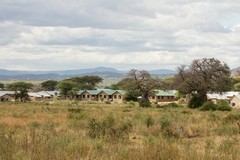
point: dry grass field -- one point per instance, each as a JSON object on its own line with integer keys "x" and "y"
{"x": 69, "y": 130}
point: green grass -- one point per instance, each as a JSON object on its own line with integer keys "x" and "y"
{"x": 90, "y": 130}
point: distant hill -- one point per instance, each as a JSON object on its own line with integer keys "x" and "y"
{"x": 104, "y": 72}
{"x": 162, "y": 72}
{"x": 235, "y": 70}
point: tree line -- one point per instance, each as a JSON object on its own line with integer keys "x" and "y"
{"x": 202, "y": 76}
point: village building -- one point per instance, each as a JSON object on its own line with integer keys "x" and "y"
{"x": 7, "y": 96}
{"x": 216, "y": 97}
{"x": 43, "y": 95}
{"x": 163, "y": 96}
{"x": 235, "y": 101}
{"x": 100, "y": 95}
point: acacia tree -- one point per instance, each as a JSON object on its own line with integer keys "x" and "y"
{"x": 21, "y": 90}
{"x": 142, "y": 81}
{"x": 71, "y": 85}
{"x": 49, "y": 85}
{"x": 203, "y": 76}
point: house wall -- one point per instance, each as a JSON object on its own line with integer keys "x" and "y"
{"x": 103, "y": 97}
{"x": 165, "y": 98}
{"x": 235, "y": 102}
{"x": 85, "y": 96}
{"x": 117, "y": 97}
{"x": 7, "y": 98}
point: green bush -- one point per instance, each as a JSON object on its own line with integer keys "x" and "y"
{"x": 108, "y": 129}
{"x": 144, "y": 103}
{"x": 195, "y": 102}
{"x": 149, "y": 121}
{"x": 169, "y": 105}
{"x": 207, "y": 106}
{"x": 223, "y": 106}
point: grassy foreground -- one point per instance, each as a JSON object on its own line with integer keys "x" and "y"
{"x": 66, "y": 130}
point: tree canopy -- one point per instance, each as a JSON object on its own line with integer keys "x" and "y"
{"x": 203, "y": 76}
{"x": 49, "y": 85}
{"x": 21, "y": 90}
{"x": 142, "y": 82}
{"x": 71, "y": 85}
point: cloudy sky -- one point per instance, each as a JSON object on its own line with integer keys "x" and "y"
{"x": 124, "y": 34}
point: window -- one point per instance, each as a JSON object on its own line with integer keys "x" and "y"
{"x": 83, "y": 96}
{"x": 88, "y": 96}
{"x": 115, "y": 96}
{"x": 119, "y": 96}
{"x": 105, "y": 96}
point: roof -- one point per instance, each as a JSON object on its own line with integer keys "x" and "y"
{"x": 97, "y": 91}
{"x": 237, "y": 96}
{"x": 108, "y": 91}
{"x": 44, "y": 94}
{"x": 2, "y": 93}
{"x": 166, "y": 93}
{"x": 91, "y": 92}
{"x": 31, "y": 94}
{"x": 222, "y": 96}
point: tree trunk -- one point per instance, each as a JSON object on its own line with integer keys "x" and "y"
{"x": 145, "y": 97}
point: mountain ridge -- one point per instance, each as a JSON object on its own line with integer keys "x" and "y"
{"x": 104, "y": 72}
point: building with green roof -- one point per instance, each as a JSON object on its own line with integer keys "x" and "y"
{"x": 164, "y": 96}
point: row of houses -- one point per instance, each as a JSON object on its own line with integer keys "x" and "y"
{"x": 33, "y": 96}
{"x": 91, "y": 95}
{"x": 118, "y": 96}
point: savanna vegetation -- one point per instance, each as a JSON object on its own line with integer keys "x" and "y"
{"x": 70, "y": 129}
{"x": 96, "y": 130}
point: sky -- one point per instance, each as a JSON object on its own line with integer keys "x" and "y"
{"x": 122, "y": 34}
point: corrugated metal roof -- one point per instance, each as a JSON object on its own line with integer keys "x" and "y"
{"x": 109, "y": 91}
{"x": 44, "y": 94}
{"x": 97, "y": 91}
{"x": 223, "y": 96}
{"x": 166, "y": 93}
{"x": 2, "y": 93}
{"x": 33, "y": 94}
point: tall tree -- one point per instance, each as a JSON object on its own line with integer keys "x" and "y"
{"x": 203, "y": 76}
{"x": 65, "y": 86}
{"x": 87, "y": 82}
{"x": 49, "y": 85}
{"x": 69, "y": 86}
{"x": 142, "y": 81}
{"x": 2, "y": 86}
{"x": 21, "y": 90}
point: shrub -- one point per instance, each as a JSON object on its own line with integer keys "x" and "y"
{"x": 223, "y": 106}
{"x": 207, "y": 106}
{"x": 144, "y": 103}
{"x": 165, "y": 123}
{"x": 149, "y": 121}
{"x": 195, "y": 102}
{"x": 169, "y": 105}
{"x": 107, "y": 128}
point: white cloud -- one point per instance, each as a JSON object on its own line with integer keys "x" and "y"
{"x": 40, "y": 35}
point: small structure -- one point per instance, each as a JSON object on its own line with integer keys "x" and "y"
{"x": 100, "y": 95}
{"x": 164, "y": 96}
{"x": 7, "y": 96}
{"x": 235, "y": 101}
{"x": 43, "y": 95}
{"x": 216, "y": 97}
